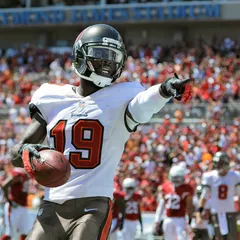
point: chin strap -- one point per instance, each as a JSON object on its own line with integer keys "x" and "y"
{"x": 99, "y": 81}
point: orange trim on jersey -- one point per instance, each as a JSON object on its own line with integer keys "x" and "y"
{"x": 108, "y": 222}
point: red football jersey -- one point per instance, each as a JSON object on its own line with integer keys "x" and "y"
{"x": 175, "y": 198}
{"x": 17, "y": 193}
{"x": 131, "y": 210}
{"x": 117, "y": 195}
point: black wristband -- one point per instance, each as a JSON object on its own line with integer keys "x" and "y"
{"x": 189, "y": 221}
{"x": 200, "y": 209}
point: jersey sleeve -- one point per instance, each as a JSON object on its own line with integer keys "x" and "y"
{"x": 164, "y": 191}
{"x": 47, "y": 93}
{"x": 38, "y": 101}
{"x": 121, "y": 94}
{"x": 146, "y": 103}
{"x": 206, "y": 180}
{"x": 118, "y": 195}
{"x": 237, "y": 181}
{"x": 237, "y": 184}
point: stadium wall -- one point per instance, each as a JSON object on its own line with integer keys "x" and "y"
{"x": 152, "y": 33}
{"x": 142, "y": 23}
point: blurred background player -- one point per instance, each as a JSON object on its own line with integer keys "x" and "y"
{"x": 118, "y": 214}
{"x": 133, "y": 213}
{"x": 3, "y": 176}
{"x": 159, "y": 218}
{"x": 220, "y": 185}
{"x": 200, "y": 230}
{"x": 15, "y": 209}
{"x": 177, "y": 200}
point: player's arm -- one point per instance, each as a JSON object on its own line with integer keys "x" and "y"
{"x": 237, "y": 190}
{"x": 121, "y": 203}
{"x": 146, "y": 103}
{"x": 158, "y": 214}
{"x": 189, "y": 207}
{"x": 8, "y": 182}
{"x": 237, "y": 185}
{"x": 33, "y": 135}
{"x": 140, "y": 216}
{"x": 202, "y": 202}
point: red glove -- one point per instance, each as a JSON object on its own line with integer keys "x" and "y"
{"x": 27, "y": 163}
{"x": 174, "y": 87}
{"x": 187, "y": 94}
{"x": 28, "y": 152}
{"x": 186, "y": 90}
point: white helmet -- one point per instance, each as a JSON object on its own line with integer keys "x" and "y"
{"x": 129, "y": 186}
{"x": 129, "y": 183}
{"x": 177, "y": 175}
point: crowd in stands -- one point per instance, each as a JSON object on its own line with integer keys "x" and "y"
{"x": 150, "y": 151}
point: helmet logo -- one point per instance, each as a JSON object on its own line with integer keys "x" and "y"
{"x": 110, "y": 40}
{"x": 79, "y": 36}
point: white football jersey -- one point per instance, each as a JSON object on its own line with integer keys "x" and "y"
{"x": 91, "y": 133}
{"x": 222, "y": 190}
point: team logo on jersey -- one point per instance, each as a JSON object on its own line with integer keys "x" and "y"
{"x": 79, "y": 115}
{"x": 81, "y": 104}
{"x": 40, "y": 212}
{"x": 79, "y": 110}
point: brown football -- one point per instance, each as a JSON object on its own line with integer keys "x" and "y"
{"x": 53, "y": 170}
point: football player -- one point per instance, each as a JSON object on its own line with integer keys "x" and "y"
{"x": 118, "y": 213}
{"x": 15, "y": 209}
{"x": 132, "y": 209}
{"x": 200, "y": 230}
{"x": 177, "y": 201}
{"x": 221, "y": 185}
{"x": 89, "y": 124}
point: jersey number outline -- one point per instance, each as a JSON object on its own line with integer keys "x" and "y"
{"x": 223, "y": 192}
{"x": 87, "y": 134}
{"x": 173, "y": 201}
{"x": 131, "y": 207}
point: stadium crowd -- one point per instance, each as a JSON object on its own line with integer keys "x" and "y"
{"x": 150, "y": 152}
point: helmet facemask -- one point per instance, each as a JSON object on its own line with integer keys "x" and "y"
{"x": 129, "y": 191}
{"x": 177, "y": 180}
{"x": 221, "y": 167}
{"x": 177, "y": 175}
{"x": 98, "y": 63}
{"x": 221, "y": 163}
{"x": 129, "y": 187}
